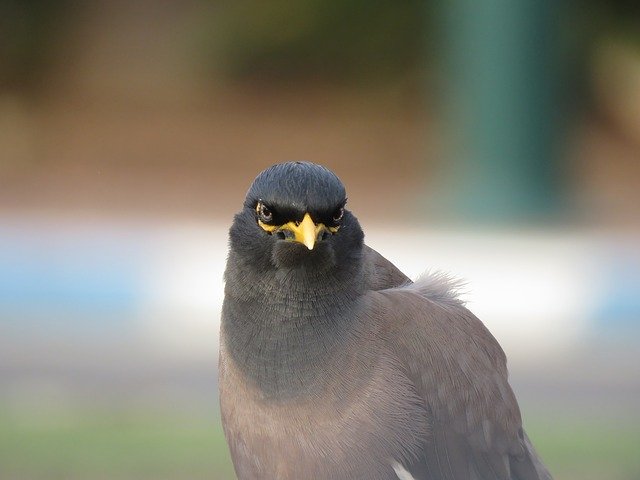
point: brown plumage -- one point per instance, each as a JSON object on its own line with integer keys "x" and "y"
{"x": 334, "y": 365}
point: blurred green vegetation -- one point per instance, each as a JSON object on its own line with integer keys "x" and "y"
{"x": 325, "y": 39}
{"x": 309, "y": 41}
{"x": 588, "y": 449}
{"x": 135, "y": 445}
{"x": 110, "y": 445}
{"x": 28, "y": 33}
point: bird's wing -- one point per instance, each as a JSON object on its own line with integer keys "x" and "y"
{"x": 381, "y": 273}
{"x": 460, "y": 371}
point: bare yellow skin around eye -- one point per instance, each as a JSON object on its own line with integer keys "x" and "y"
{"x": 305, "y": 232}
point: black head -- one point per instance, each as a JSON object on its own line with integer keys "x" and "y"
{"x": 294, "y": 215}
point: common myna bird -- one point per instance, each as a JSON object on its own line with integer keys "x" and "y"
{"x": 334, "y": 365}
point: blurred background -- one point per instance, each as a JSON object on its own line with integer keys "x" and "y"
{"x": 499, "y": 141}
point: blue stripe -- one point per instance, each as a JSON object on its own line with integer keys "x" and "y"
{"x": 58, "y": 275}
{"x": 618, "y": 308}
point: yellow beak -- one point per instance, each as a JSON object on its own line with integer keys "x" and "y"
{"x": 306, "y": 231}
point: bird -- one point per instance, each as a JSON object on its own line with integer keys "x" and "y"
{"x": 333, "y": 364}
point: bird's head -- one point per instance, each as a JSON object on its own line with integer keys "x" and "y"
{"x": 294, "y": 215}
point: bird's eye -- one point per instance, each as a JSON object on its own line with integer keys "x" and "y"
{"x": 264, "y": 213}
{"x": 338, "y": 214}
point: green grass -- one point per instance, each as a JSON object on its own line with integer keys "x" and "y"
{"x": 589, "y": 449}
{"x": 130, "y": 445}
{"x": 148, "y": 445}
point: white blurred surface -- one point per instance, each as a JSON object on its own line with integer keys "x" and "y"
{"x": 536, "y": 291}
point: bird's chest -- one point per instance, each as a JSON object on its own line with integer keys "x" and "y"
{"x": 357, "y": 426}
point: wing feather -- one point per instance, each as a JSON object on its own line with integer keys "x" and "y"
{"x": 460, "y": 371}
{"x": 381, "y": 273}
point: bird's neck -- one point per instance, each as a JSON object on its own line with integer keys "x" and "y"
{"x": 282, "y": 329}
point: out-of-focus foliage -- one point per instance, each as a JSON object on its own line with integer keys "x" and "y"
{"x": 355, "y": 40}
{"x": 307, "y": 40}
{"x": 28, "y": 32}
{"x": 625, "y": 15}
{"x": 324, "y": 39}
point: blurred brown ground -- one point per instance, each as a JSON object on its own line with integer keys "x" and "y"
{"x": 167, "y": 161}
{"x": 135, "y": 158}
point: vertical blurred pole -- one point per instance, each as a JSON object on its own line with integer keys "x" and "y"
{"x": 501, "y": 101}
